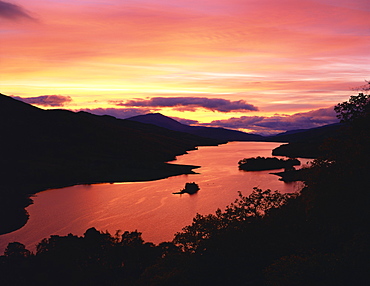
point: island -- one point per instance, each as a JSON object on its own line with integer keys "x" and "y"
{"x": 190, "y": 188}
{"x": 269, "y": 163}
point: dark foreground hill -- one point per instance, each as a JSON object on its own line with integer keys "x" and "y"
{"x": 209, "y": 132}
{"x": 42, "y": 149}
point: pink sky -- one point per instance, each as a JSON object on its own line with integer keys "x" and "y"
{"x": 280, "y": 57}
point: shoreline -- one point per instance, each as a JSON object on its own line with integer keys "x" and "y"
{"x": 14, "y": 215}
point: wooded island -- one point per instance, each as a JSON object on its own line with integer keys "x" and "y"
{"x": 269, "y": 163}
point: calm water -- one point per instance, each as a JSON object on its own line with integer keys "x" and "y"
{"x": 149, "y": 207}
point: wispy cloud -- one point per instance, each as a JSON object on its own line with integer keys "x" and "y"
{"x": 192, "y": 103}
{"x": 13, "y": 11}
{"x": 46, "y": 100}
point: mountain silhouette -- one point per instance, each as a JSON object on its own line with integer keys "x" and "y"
{"x": 65, "y": 138}
{"x": 42, "y": 149}
{"x": 209, "y": 132}
{"x": 303, "y": 143}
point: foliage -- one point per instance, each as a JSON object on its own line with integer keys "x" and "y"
{"x": 356, "y": 107}
{"x": 16, "y": 250}
{"x": 96, "y": 258}
{"x": 351, "y": 147}
{"x": 243, "y": 210}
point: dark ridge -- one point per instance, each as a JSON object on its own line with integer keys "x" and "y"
{"x": 305, "y": 143}
{"x": 209, "y": 132}
{"x": 299, "y": 135}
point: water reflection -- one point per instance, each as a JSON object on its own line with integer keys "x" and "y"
{"x": 149, "y": 207}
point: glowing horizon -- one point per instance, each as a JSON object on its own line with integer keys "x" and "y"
{"x": 282, "y": 57}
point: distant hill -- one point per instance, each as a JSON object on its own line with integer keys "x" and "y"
{"x": 42, "y": 149}
{"x": 305, "y": 143}
{"x": 209, "y": 132}
{"x": 299, "y": 135}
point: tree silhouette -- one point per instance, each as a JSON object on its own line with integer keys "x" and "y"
{"x": 16, "y": 250}
{"x": 244, "y": 210}
{"x": 358, "y": 106}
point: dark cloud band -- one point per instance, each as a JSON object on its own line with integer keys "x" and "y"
{"x": 12, "y": 11}
{"x": 279, "y": 123}
{"x": 46, "y": 100}
{"x": 191, "y": 103}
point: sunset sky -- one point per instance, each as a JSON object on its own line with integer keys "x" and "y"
{"x": 256, "y": 65}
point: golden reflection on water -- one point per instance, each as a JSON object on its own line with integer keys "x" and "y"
{"x": 149, "y": 207}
